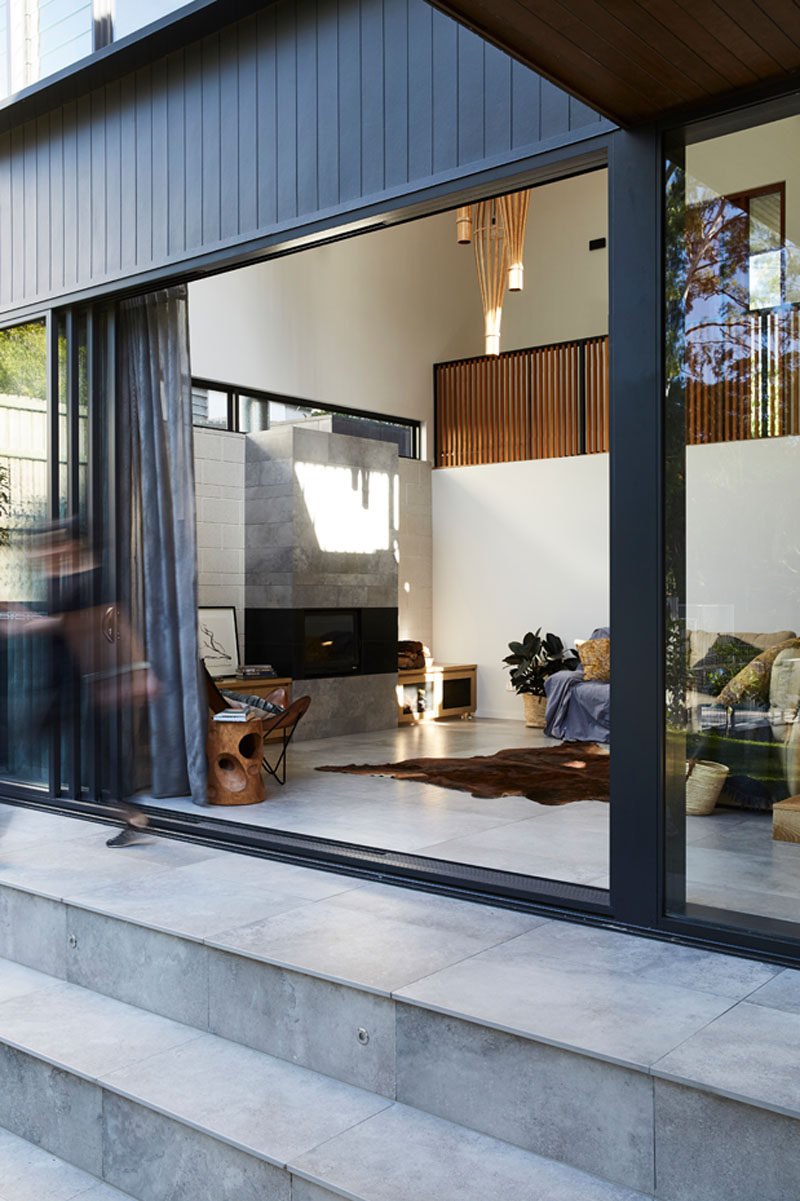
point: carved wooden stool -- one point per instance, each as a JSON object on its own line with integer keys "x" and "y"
{"x": 234, "y": 750}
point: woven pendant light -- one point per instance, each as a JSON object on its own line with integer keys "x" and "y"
{"x": 464, "y": 225}
{"x": 515, "y": 217}
{"x": 490, "y": 258}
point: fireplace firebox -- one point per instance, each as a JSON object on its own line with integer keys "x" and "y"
{"x": 311, "y": 643}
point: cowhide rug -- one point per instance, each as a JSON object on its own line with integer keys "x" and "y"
{"x": 552, "y": 775}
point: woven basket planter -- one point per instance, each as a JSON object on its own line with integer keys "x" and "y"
{"x": 535, "y": 707}
{"x": 704, "y": 783}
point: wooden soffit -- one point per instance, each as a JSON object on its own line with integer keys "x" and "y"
{"x": 636, "y": 62}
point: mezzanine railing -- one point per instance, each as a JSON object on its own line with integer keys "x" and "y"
{"x": 541, "y": 403}
{"x": 742, "y": 381}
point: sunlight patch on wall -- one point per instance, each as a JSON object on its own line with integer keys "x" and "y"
{"x": 350, "y": 508}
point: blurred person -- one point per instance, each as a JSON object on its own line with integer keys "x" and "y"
{"x": 95, "y": 661}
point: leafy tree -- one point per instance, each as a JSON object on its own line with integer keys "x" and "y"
{"x": 23, "y": 360}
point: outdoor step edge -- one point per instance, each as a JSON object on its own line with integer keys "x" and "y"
{"x": 81, "y": 1175}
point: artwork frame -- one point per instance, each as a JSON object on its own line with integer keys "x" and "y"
{"x": 217, "y": 637}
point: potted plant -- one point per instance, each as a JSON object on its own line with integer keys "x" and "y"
{"x": 531, "y": 662}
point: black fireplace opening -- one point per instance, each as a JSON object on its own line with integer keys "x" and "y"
{"x": 312, "y": 643}
{"x": 330, "y": 642}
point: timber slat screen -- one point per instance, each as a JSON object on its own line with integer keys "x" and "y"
{"x": 552, "y": 401}
{"x": 747, "y": 386}
{"x": 542, "y": 403}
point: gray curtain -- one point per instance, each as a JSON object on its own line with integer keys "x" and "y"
{"x": 157, "y": 535}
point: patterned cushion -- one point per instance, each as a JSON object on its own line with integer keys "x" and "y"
{"x": 255, "y": 702}
{"x": 595, "y": 655}
{"x": 752, "y": 682}
{"x": 723, "y": 660}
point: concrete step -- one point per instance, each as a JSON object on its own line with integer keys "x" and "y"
{"x": 164, "y": 1112}
{"x": 27, "y": 1173}
{"x": 605, "y": 1052}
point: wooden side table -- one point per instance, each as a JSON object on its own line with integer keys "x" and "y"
{"x": 234, "y": 750}
{"x": 436, "y": 692}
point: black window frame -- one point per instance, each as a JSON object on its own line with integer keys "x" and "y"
{"x": 235, "y": 394}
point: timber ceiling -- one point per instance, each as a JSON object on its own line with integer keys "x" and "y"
{"x": 635, "y": 62}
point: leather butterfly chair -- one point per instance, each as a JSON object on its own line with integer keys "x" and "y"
{"x": 286, "y": 722}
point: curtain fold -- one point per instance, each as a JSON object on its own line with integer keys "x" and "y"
{"x": 157, "y": 565}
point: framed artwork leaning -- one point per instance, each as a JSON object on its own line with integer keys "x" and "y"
{"x": 218, "y": 643}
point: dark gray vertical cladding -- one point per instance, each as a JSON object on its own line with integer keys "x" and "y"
{"x": 308, "y": 108}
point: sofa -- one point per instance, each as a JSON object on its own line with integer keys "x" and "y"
{"x": 745, "y": 714}
{"x": 578, "y": 708}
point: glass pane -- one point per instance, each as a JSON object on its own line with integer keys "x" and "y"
{"x": 210, "y": 408}
{"x": 65, "y": 34}
{"x": 130, "y": 15}
{"x": 257, "y": 413}
{"x": 24, "y": 667}
{"x": 5, "y": 86}
{"x": 253, "y": 414}
{"x": 733, "y": 557}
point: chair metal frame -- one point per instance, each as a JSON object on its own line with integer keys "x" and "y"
{"x": 287, "y": 723}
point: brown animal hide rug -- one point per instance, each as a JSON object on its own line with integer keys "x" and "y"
{"x": 552, "y": 775}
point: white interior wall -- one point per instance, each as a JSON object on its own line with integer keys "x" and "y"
{"x": 361, "y": 322}
{"x": 517, "y": 546}
{"x": 742, "y": 539}
{"x": 754, "y": 158}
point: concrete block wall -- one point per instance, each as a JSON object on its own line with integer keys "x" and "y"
{"x": 313, "y": 501}
{"x": 219, "y": 463}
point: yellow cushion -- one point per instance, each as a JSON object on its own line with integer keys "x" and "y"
{"x": 595, "y": 655}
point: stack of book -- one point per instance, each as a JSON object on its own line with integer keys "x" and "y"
{"x": 260, "y": 671}
{"x": 238, "y": 714}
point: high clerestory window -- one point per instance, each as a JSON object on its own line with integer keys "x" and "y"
{"x": 40, "y": 37}
{"x": 219, "y": 406}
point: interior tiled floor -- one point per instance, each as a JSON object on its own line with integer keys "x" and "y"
{"x": 732, "y": 861}
{"x": 568, "y": 842}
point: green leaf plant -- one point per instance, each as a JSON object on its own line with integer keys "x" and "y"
{"x": 534, "y": 659}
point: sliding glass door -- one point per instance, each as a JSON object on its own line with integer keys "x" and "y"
{"x": 24, "y": 498}
{"x": 732, "y": 352}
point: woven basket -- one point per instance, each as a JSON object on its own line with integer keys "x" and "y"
{"x": 535, "y": 707}
{"x": 704, "y": 782}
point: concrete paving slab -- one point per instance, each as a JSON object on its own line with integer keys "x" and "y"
{"x": 370, "y": 950}
{"x": 749, "y": 1054}
{"x": 27, "y": 1173}
{"x": 66, "y": 1025}
{"x": 612, "y": 1015}
{"x": 443, "y": 1161}
{"x": 254, "y": 1102}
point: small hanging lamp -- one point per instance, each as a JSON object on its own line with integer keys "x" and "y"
{"x": 464, "y": 224}
{"x": 490, "y": 259}
{"x": 515, "y": 217}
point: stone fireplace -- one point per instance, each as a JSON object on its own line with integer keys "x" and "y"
{"x": 321, "y": 527}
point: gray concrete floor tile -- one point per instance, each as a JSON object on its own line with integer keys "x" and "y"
{"x": 251, "y": 1100}
{"x": 27, "y": 1173}
{"x": 193, "y": 905}
{"x": 442, "y": 1161}
{"x": 91, "y": 1034}
{"x": 65, "y": 870}
{"x": 406, "y": 816}
{"x": 781, "y": 992}
{"x": 369, "y": 949}
{"x": 19, "y": 981}
{"x": 609, "y": 1014}
{"x": 751, "y": 1053}
{"x": 613, "y": 950}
